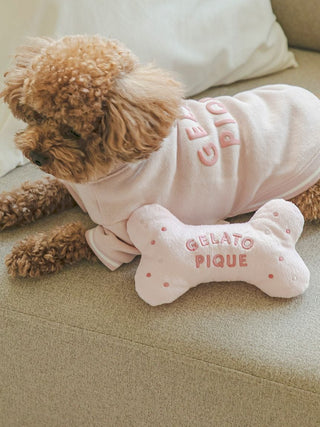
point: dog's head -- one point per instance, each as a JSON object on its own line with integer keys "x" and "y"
{"x": 89, "y": 105}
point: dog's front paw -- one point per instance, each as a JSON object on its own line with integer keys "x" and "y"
{"x": 32, "y": 201}
{"x": 45, "y": 253}
{"x": 32, "y": 258}
{"x": 11, "y": 213}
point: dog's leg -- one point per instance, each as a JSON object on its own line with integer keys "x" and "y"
{"x": 45, "y": 253}
{"x": 32, "y": 201}
{"x": 309, "y": 203}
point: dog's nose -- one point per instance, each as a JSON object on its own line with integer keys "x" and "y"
{"x": 38, "y": 159}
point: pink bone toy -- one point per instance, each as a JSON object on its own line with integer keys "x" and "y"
{"x": 176, "y": 257}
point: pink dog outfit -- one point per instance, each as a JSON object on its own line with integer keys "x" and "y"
{"x": 224, "y": 156}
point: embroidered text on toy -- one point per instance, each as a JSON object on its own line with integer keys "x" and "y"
{"x": 234, "y": 239}
{"x": 176, "y": 256}
{"x": 220, "y": 260}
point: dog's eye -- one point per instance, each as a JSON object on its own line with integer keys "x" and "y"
{"x": 70, "y": 133}
{"x": 38, "y": 118}
{"x": 74, "y": 134}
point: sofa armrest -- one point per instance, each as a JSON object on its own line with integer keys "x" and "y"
{"x": 300, "y": 20}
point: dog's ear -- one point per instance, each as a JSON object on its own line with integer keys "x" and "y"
{"x": 15, "y": 77}
{"x": 140, "y": 113}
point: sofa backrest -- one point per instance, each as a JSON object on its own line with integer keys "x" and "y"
{"x": 300, "y": 20}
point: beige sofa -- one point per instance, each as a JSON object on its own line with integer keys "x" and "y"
{"x": 81, "y": 349}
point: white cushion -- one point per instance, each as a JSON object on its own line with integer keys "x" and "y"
{"x": 206, "y": 43}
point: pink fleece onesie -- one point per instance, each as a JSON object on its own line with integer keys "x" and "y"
{"x": 224, "y": 157}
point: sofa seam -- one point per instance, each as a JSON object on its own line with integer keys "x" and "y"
{"x": 190, "y": 358}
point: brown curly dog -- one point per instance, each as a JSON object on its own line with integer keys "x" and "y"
{"x": 90, "y": 108}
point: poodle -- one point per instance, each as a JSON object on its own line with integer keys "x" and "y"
{"x": 113, "y": 134}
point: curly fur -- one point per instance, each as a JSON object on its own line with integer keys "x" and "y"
{"x": 90, "y": 106}
{"x": 32, "y": 201}
{"x": 48, "y": 253}
{"x": 16, "y": 76}
{"x": 309, "y": 203}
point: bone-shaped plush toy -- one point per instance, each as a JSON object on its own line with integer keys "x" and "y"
{"x": 176, "y": 257}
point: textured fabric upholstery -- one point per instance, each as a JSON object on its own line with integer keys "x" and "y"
{"x": 300, "y": 21}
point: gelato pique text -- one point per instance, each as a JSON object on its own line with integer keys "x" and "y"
{"x": 235, "y": 240}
